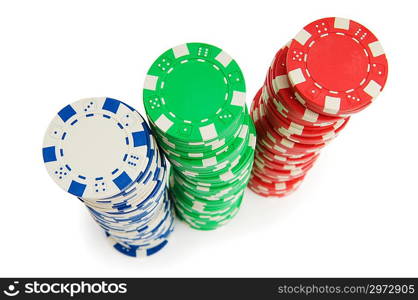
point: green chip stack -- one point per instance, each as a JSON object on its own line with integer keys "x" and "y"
{"x": 194, "y": 97}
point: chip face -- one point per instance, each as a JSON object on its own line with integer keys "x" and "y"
{"x": 102, "y": 151}
{"x": 332, "y": 69}
{"x": 95, "y": 148}
{"x": 194, "y": 96}
{"x": 337, "y": 66}
{"x": 193, "y": 92}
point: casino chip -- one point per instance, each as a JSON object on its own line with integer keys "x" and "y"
{"x": 102, "y": 151}
{"x": 332, "y": 69}
{"x": 194, "y": 97}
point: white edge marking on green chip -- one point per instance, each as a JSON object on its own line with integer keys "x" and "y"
{"x": 188, "y": 173}
{"x": 209, "y": 162}
{"x": 163, "y": 123}
{"x": 252, "y": 141}
{"x": 201, "y": 188}
{"x": 150, "y": 82}
{"x": 224, "y": 58}
{"x": 221, "y": 166}
{"x": 180, "y": 50}
{"x": 208, "y": 132}
{"x": 238, "y": 98}
{"x": 188, "y": 195}
{"x": 218, "y": 144}
{"x": 226, "y": 176}
{"x": 198, "y": 206}
{"x": 243, "y": 132}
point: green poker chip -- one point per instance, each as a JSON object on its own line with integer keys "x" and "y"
{"x": 194, "y": 92}
{"x": 194, "y": 98}
{"x": 219, "y": 158}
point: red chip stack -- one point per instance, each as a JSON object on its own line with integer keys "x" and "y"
{"x": 333, "y": 68}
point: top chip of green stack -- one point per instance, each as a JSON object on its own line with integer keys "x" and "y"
{"x": 194, "y": 92}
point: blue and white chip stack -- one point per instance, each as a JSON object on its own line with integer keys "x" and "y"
{"x": 102, "y": 151}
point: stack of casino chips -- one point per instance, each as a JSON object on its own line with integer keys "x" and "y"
{"x": 332, "y": 69}
{"x": 194, "y": 97}
{"x": 102, "y": 151}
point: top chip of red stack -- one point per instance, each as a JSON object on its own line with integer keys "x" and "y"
{"x": 337, "y": 66}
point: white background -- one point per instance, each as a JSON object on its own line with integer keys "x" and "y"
{"x": 355, "y": 214}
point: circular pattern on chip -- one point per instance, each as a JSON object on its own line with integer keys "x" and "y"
{"x": 337, "y": 66}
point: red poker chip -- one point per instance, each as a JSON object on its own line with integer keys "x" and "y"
{"x": 282, "y": 123}
{"x": 336, "y": 65}
{"x": 272, "y": 186}
{"x": 281, "y": 165}
{"x": 261, "y": 173}
{"x": 260, "y": 190}
{"x": 274, "y": 158}
{"x": 284, "y": 142}
{"x": 310, "y": 140}
{"x": 302, "y": 137}
{"x": 275, "y": 103}
{"x": 281, "y": 150}
{"x": 271, "y": 151}
{"x": 256, "y": 189}
{"x": 283, "y": 91}
{"x": 277, "y": 159}
{"x": 293, "y": 173}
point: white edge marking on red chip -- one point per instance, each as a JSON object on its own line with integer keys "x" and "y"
{"x": 296, "y": 76}
{"x": 302, "y": 36}
{"x": 342, "y": 23}
{"x": 332, "y": 105}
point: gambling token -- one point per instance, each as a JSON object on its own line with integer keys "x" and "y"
{"x": 332, "y": 69}
{"x": 283, "y": 92}
{"x": 220, "y": 158}
{"x": 278, "y": 186}
{"x": 102, "y": 151}
{"x": 267, "y": 194}
{"x": 337, "y": 65}
{"x": 286, "y": 126}
{"x": 265, "y": 154}
{"x": 187, "y": 76}
{"x": 282, "y": 145}
{"x": 279, "y": 166}
{"x": 119, "y": 139}
{"x": 194, "y": 98}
